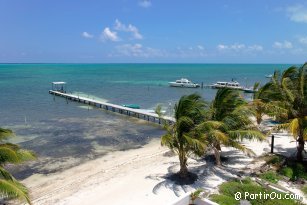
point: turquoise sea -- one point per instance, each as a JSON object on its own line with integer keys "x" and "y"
{"x": 66, "y": 134}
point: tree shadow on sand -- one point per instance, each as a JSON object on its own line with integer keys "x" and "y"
{"x": 207, "y": 173}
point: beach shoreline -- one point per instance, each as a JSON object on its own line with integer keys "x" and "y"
{"x": 68, "y": 186}
{"x": 136, "y": 176}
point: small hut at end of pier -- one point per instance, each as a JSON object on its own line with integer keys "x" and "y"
{"x": 59, "y": 86}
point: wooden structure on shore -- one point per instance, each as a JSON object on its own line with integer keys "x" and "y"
{"x": 138, "y": 113}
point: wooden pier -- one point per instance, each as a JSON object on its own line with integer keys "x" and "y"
{"x": 138, "y": 113}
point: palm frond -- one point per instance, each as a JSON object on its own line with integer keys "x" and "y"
{"x": 25, "y": 155}
{"x": 5, "y": 133}
{"x": 286, "y": 84}
{"x": 238, "y": 146}
{"x": 197, "y": 145}
{"x": 246, "y": 134}
{"x": 209, "y": 125}
{"x": 14, "y": 189}
{"x": 158, "y": 110}
{"x": 184, "y": 124}
{"x": 219, "y": 136}
{"x": 5, "y": 174}
{"x": 294, "y": 127}
{"x": 167, "y": 140}
{"x": 8, "y": 155}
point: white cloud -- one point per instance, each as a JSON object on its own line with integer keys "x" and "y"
{"x": 282, "y": 45}
{"x": 235, "y": 47}
{"x": 145, "y": 3}
{"x": 239, "y": 48}
{"x": 255, "y": 48}
{"x": 130, "y": 28}
{"x": 138, "y": 50}
{"x": 107, "y": 34}
{"x": 200, "y": 47}
{"x": 303, "y": 40}
{"x": 87, "y": 35}
{"x": 297, "y": 13}
{"x": 222, "y": 47}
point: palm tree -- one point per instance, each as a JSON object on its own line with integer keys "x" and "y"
{"x": 261, "y": 107}
{"x": 290, "y": 89}
{"x": 180, "y": 137}
{"x": 10, "y": 153}
{"x": 227, "y": 122}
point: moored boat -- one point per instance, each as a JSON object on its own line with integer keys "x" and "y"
{"x": 231, "y": 84}
{"x": 269, "y": 76}
{"x": 133, "y": 106}
{"x": 184, "y": 83}
{"x": 249, "y": 90}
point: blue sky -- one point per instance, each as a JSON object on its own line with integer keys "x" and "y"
{"x": 156, "y": 31}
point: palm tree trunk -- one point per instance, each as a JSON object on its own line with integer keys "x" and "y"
{"x": 300, "y": 149}
{"x": 217, "y": 155}
{"x": 183, "y": 173}
{"x": 259, "y": 119}
{"x": 301, "y": 143}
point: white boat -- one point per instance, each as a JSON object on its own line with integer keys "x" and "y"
{"x": 249, "y": 90}
{"x": 269, "y": 76}
{"x": 184, "y": 83}
{"x": 232, "y": 85}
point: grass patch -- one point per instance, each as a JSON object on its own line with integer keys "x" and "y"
{"x": 223, "y": 199}
{"x": 270, "y": 176}
{"x": 294, "y": 171}
{"x": 299, "y": 171}
{"x": 228, "y": 189}
{"x": 287, "y": 171}
{"x": 274, "y": 160}
{"x": 304, "y": 190}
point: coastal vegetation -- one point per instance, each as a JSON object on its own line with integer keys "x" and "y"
{"x": 261, "y": 107}
{"x": 228, "y": 122}
{"x": 200, "y": 126}
{"x": 227, "y": 192}
{"x": 289, "y": 89}
{"x": 228, "y": 119}
{"x": 304, "y": 189}
{"x": 270, "y": 176}
{"x": 180, "y": 136}
{"x": 10, "y": 188}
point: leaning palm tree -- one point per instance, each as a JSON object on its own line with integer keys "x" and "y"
{"x": 261, "y": 107}
{"x": 227, "y": 123}
{"x": 180, "y": 137}
{"x": 290, "y": 89}
{"x": 10, "y": 188}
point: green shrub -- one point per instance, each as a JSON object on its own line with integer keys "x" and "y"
{"x": 270, "y": 176}
{"x": 287, "y": 171}
{"x": 228, "y": 189}
{"x": 275, "y": 160}
{"x": 304, "y": 190}
{"x": 224, "y": 200}
{"x": 299, "y": 171}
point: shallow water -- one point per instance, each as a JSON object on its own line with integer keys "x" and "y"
{"x": 64, "y": 134}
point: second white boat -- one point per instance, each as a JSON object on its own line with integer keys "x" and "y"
{"x": 184, "y": 83}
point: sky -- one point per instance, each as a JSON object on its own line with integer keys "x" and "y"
{"x": 153, "y": 31}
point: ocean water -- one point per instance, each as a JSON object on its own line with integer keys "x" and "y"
{"x": 66, "y": 134}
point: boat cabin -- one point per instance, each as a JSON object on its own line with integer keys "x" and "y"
{"x": 233, "y": 84}
{"x": 183, "y": 80}
{"x": 221, "y": 83}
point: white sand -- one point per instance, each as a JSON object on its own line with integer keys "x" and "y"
{"x": 136, "y": 177}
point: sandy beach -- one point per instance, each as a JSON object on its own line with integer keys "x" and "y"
{"x": 138, "y": 176}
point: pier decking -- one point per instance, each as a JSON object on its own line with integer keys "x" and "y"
{"x": 138, "y": 113}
